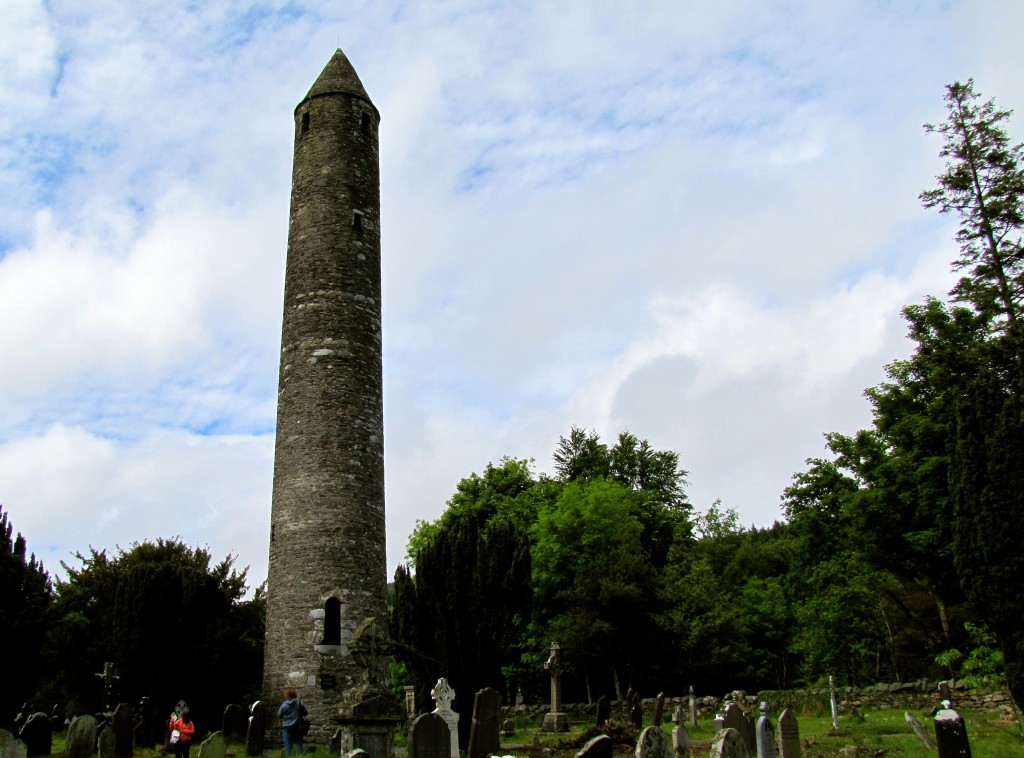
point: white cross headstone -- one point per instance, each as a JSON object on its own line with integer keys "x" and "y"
{"x": 443, "y": 695}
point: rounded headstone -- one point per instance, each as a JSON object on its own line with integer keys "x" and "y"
{"x": 652, "y": 743}
{"x": 729, "y": 744}
{"x": 599, "y": 747}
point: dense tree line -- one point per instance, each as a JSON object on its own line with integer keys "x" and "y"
{"x": 25, "y": 596}
{"x": 899, "y": 555}
{"x": 174, "y": 624}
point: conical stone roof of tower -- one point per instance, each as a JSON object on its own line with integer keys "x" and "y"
{"x": 338, "y": 77}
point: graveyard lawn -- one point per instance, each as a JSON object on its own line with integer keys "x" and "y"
{"x": 991, "y": 735}
{"x": 878, "y": 732}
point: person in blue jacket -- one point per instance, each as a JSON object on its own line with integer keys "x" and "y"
{"x": 292, "y": 714}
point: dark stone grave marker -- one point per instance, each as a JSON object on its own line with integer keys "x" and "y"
{"x": 122, "y": 724}
{"x": 659, "y": 709}
{"x": 105, "y": 741}
{"x": 734, "y": 718}
{"x": 37, "y": 734}
{"x": 81, "y": 739}
{"x": 604, "y": 711}
{"x": 254, "y": 737}
{"x": 483, "y": 732}
{"x": 919, "y": 730}
{"x": 951, "y": 735}
{"x": 789, "y": 735}
{"x": 429, "y": 737}
{"x": 235, "y": 723}
{"x": 599, "y": 747}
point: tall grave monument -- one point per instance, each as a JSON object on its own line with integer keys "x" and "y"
{"x": 326, "y": 599}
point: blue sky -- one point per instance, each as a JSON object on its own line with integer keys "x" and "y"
{"x": 694, "y": 221}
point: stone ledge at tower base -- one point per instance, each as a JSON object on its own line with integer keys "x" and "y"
{"x": 370, "y": 725}
{"x": 555, "y": 722}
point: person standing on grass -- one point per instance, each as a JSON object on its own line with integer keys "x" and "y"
{"x": 186, "y": 730}
{"x": 292, "y": 714}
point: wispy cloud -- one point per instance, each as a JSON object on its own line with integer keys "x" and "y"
{"x": 698, "y": 223}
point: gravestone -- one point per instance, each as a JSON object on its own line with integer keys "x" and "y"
{"x": 764, "y": 735}
{"x": 636, "y": 711}
{"x": 659, "y": 709}
{"x": 556, "y": 720}
{"x": 508, "y": 728}
{"x": 951, "y": 735}
{"x": 443, "y": 695}
{"x": 680, "y": 741}
{"x": 235, "y": 723}
{"x": 105, "y": 741}
{"x": 214, "y": 746}
{"x": 729, "y": 744}
{"x": 833, "y": 701}
{"x": 693, "y": 709}
{"x": 255, "y": 735}
{"x": 604, "y": 711}
{"x": 11, "y": 746}
{"x": 789, "y": 735}
{"x": 81, "y": 738}
{"x": 945, "y": 692}
{"x": 123, "y": 725}
{"x": 483, "y": 731}
{"x": 336, "y": 739}
{"x": 37, "y": 734}
{"x": 57, "y": 718}
{"x": 599, "y": 747}
{"x": 919, "y": 730}
{"x": 652, "y": 743}
{"x": 429, "y": 737}
{"x": 410, "y": 701}
{"x": 734, "y": 718}
{"x": 109, "y": 677}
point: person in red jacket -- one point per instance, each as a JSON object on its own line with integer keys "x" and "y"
{"x": 186, "y": 730}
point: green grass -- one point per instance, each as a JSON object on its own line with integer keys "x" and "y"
{"x": 888, "y": 731}
{"x": 990, "y": 735}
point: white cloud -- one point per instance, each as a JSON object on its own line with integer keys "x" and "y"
{"x": 698, "y": 223}
{"x": 68, "y": 490}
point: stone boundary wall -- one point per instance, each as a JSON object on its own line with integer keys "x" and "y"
{"x": 912, "y": 696}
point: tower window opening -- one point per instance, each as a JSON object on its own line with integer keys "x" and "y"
{"x": 305, "y": 122}
{"x": 357, "y": 221}
{"x": 364, "y": 123}
{"x": 332, "y": 621}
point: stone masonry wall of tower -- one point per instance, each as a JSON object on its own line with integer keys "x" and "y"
{"x": 327, "y": 568}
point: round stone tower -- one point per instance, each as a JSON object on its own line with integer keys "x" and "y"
{"x": 328, "y": 570}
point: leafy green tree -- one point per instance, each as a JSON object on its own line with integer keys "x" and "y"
{"x": 472, "y": 609}
{"x": 849, "y": 601}
{"x": 25, "y": 600}
{"x": 988, "y": 495}
{"x": 636, "y": 464}
{"x": 464, "y": 612}
{"x": 581, "y": 457}
{"x": 983, "y": 184}
{"x": 173, "y": 625}
{"x": 594, "y": 588}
